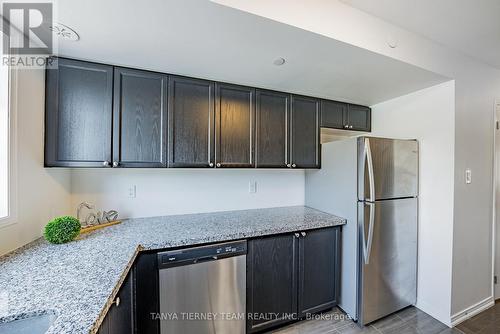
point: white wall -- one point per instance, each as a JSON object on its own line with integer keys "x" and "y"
{"x": 428, "y": 115}
{"x": 39, "y": 194}
{"x": 476, "y": 87}
{"x": 180, "y": 191}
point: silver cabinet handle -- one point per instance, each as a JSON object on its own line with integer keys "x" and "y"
{"x": 218, "y": 164}
{"x": 211, "y": 164}
{"x": 350, "y": 126}
{"x": 105, "y": 163}
{"x": 294, "y": 165}
{"x": 303, "y": 234}
{"x": 346, "y": 126}
{"x": 289, "y": 165}
{"x": 117, "y": 301}
{"x": 115, "y": 163}
{"x": 297, "y": 235}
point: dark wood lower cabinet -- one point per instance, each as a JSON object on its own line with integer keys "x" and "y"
{"x": 120, "y": 317}
{"x": 319, "y": 263}
{"x": 290, "y": 276}
{"x": 271, "y": 281}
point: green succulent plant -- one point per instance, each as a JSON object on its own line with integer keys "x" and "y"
{"x": 62, "y": 229}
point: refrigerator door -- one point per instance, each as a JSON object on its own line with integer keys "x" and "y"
{"x": 387, "y": 257}
{"x": 394, "y": 164}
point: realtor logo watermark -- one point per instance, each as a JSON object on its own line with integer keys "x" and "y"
{"x": 27, "y": 36}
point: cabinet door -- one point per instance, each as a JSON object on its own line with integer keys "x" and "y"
{"x": 120, "y": 317}
{"x": 359, "y": 118}
{"x": 333, "y": 114}
{"x": 235, "y": 118}
{"x": 318, "y": 270}
{"x": 191, "y": 122}
{"x": 271, "y": 281}
{"x": 272, "y": 114}
{"x": 78, "y": 114}
{"x": 140, "y": 105}
{"x": 304, "y": 132}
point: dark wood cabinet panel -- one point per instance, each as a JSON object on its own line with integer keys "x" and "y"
{"x": 121, "y": 320}
{"x": 333, "y": 114}
{"x": 359, "y": 118}
{"x": 78, "y": 114}
{"x": 191, "y": 122}
{"x": 272, "y": 115}
{"x": 271, "y": 281}
{"x": 318, "y": 270}
{"x": 120, "y": 316}
{"x": 104, "y": 328}
{"x": 304, "y": 133}
{"x": 140, "y": 116}
{"x": 235, "y": 118}
{"x": 147, "y": 293}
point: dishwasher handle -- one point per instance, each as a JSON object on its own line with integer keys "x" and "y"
{"x": 205, "y": 259}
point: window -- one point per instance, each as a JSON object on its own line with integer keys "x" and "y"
{"x": 4, "y": 141}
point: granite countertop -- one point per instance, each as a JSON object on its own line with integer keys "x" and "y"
{"x": 77, "y": 281}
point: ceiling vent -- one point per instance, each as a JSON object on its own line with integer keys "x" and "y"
{"x": 64, "y": 32}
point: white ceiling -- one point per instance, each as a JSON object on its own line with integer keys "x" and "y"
{"x": 202, "y": 39}
{"x": 469, "y": 26}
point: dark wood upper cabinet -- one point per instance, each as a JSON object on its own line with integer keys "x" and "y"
{"x": 103, "y": 116}
{"x": 338, "y": 115}
{"x": 78, "y": 114}
{"x": 140, "y": 119}
{"x": 333, "y": 114}
{"x": 304, "y": 133}
{"x": 271, "y": 281}
{"x": 234, "y": 126}
{"x": 359, "y": 118}
{"x": 272, "y": 118}
{"x": 318, "y": 283}
{"x": 191, "y": 110}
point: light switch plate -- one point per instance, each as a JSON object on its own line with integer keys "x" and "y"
{"x": 252, "y": 187}
{"x": 468, "y": 176}
{"x": 132, "y": 191}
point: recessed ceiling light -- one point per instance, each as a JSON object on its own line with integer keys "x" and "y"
{"x": 279, "y": 61}
{"x": 64, "y": 32}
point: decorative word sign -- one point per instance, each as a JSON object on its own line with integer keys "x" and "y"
{"x": 95, "y": 217}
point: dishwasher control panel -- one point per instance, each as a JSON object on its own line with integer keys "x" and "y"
{"x": 201, "y": 254}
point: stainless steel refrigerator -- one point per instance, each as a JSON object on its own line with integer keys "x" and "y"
{"x": 373, "y": 183}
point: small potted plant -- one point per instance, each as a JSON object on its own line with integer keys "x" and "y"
{"x": 62, "y": 229}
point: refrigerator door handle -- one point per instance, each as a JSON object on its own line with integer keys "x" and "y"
{"x": 371, "y": 178}
{"x": 367, "y": 244}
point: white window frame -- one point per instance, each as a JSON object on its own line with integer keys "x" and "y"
{"x": 11, "y": 217}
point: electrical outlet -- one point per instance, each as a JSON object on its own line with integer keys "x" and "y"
{"x": 132, "y": 191}
{"x": 252, "y": 187}
{"x": 468, "y": 176}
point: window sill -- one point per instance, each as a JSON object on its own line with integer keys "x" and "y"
{"x": 7, "y": 221}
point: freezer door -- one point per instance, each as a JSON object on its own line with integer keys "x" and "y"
{"x": 394, "y": 164}
{"x": 388, "y": 257}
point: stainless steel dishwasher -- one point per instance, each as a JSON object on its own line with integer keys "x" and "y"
{"x": 203, "y": 289}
